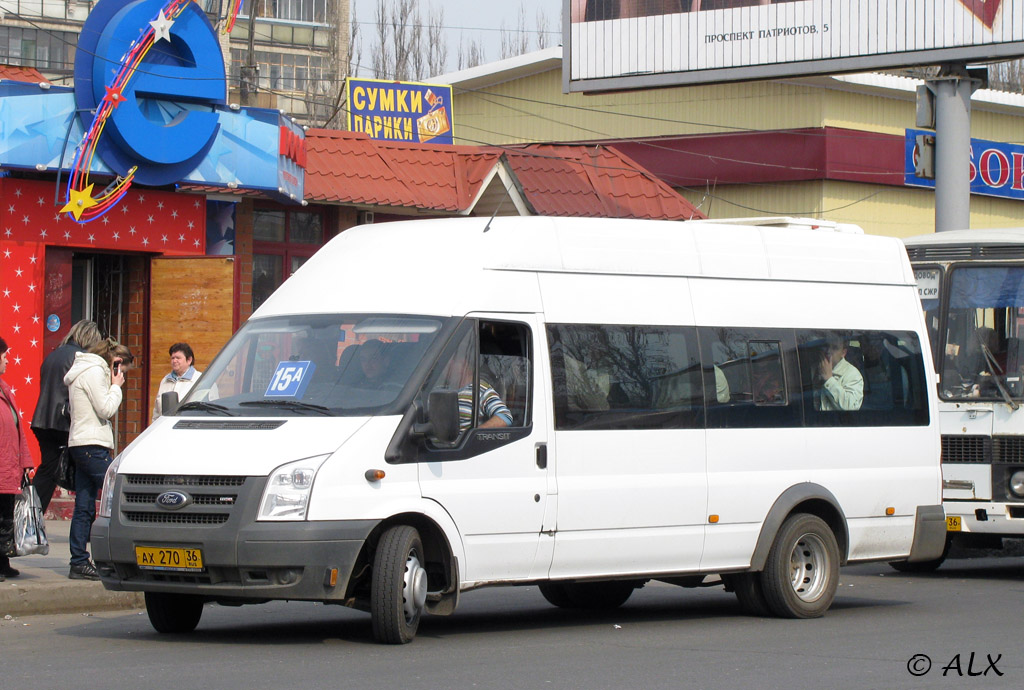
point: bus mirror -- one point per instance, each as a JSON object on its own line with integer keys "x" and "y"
{"x": 168, "y": 402}
{"x": 442, "y": 424}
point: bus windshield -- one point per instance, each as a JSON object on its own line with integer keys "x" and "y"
{"x": 983, "y": 357}
{"x": 314, "y": 364}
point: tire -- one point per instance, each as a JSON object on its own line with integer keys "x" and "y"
{"x": 802, "y": 571}
{"x": 556, "y": 595}
{"x": 922, "y": 566}
{"x": 747, "y": 588}
{"x": 591, "y": 596}
{"x": 173, "y": 613}
{"x": 398, "y": 589}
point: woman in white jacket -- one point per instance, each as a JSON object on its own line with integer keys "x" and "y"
{"x": 94, "y": 390}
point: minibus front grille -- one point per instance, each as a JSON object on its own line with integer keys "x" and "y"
{"x": 176, "y": 480}
{"x": 967, "y": 449}
{"x": 146, "y": 498}
{"x": 175, "y": 518}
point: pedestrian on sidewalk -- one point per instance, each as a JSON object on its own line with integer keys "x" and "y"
{"x": 52, "y": 419}
{"x": 94, "y": 391}
{"x": 15, "y": 463}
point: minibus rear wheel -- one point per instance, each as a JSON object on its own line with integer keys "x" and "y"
{"x": 398, "y": 589}
{"x": 801, "y": 573}
{"x": 173, "y": 613}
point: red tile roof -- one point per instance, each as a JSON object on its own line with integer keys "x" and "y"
{"x": 15, "y": 73}
{"x": 562, "y": 180}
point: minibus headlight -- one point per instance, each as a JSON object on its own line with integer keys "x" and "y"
{"x": 107, "y": 492}
{"x": 288, "y": 490}
{"x": 1017, "y": 483}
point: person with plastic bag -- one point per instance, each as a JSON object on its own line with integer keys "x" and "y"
{"x": 15, "y": 463}
{"x": 94, "y": 390}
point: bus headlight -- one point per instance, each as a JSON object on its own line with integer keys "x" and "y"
{"x": 288, "y": 490}
{"x": 1017, "y": 483}
{"x": 107, "y": 492}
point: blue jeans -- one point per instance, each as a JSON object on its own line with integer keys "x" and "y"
{"x": 91, "y": 463}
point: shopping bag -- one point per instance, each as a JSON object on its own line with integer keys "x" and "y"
{"x": 65, "y": 470}
{"x": 29, "y": 530}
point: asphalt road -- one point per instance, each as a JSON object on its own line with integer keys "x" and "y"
{"x": 664, "y": 637}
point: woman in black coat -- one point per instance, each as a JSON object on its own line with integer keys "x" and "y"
{"x": 50, "y": 422}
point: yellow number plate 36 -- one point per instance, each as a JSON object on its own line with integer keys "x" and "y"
{"x": 162, "y": 558}
{"x": 953, "y": 523}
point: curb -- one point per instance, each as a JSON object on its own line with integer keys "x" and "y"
{"x": 36, "y": 599}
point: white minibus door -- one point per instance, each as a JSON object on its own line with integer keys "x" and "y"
{"x": 493, "y": 480}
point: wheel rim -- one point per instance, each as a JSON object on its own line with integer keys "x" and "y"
{"x": 414, "y": 587}
{"x": 809, "y": 567}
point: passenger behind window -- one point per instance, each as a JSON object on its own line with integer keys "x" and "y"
{"x": 839, "y": 385}
{"x": 886, "y": 382}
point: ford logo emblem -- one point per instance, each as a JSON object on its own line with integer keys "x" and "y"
{"x": 173, "y": 500}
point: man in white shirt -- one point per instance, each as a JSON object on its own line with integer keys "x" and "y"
{"x": 182, "y": 377}
{"x": 843, "y": 384}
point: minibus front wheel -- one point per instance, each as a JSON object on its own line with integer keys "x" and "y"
{"x": 398, "y": 589}
{"x": 801, "y": 573}
{"x": 173, "y": 613}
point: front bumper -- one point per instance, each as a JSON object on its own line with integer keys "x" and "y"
{"x": 259, "y": 562}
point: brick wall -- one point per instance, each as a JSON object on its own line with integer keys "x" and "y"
{"x": 243, "y": 257}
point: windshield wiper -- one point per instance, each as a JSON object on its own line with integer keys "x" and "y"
{"x": 205, "y": 406}
{"x": 997, "y": 375}
{"x": 290, "y": 405}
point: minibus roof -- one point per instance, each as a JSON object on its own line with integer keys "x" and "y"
{"x": 981, "y": 237}
{"x": 456, "y": 265}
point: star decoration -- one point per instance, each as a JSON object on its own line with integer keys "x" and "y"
{"x": 114, "y": 95}
{"x": 162, "y": 27}
{"x": 79, "y": 201}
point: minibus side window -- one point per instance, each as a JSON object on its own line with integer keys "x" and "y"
{"x": 490, "y": 368}
{"x": 625, "y": 377}
{"x": 748, "y": 377}
{"x": 877, "y": 378}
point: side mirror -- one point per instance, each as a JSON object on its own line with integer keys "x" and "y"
{"x": 442, "y": 424}
{"x": 169, "y": 402}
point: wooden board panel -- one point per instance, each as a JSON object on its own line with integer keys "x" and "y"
{"x": 191, "y": 301}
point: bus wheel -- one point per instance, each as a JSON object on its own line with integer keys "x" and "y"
{"x": 747, "y": 587}
{"x": 173, "y": 613}
{"x": 802, "y": 571}
{"x": 594, "y": 596}
{"x": 398, "y": 590}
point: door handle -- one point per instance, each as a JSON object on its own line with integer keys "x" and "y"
{"x": 542, "y": 456}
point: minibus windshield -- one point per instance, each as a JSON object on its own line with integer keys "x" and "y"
{"x": 984, "y": 357}
{"x": 314, "y": 365}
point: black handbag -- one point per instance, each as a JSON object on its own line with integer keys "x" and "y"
{"x": 65, "y": 470}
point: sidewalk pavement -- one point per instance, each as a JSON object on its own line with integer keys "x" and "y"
{"x": 44, "y": 588}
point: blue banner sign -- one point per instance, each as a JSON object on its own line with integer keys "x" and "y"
{"x": 400, "y": 111}
{"x": 997, "y": 168}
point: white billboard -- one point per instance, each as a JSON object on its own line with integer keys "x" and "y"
{"x": 614, "y": 44}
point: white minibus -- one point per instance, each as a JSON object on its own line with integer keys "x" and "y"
{"x": 584, "y": 405}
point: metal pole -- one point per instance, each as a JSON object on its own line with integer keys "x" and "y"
{"x": 953, "y": 88}
{"x": 250, "y": 71}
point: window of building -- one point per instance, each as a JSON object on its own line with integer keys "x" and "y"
{"x": 283, "y": 240}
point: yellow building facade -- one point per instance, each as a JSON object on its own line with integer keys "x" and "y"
{"x": 522, "y": 100}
